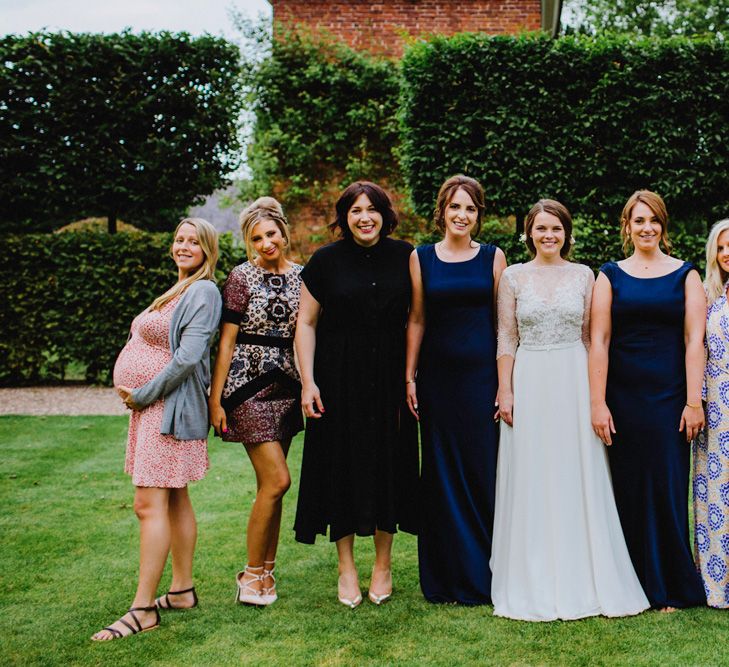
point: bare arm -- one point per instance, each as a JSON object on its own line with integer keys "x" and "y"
{"x": 415, "y": 331}
{"x": 694, "y": 327}
{"x": 600, "y": 331}
{"x": 499, "y": 266}
{"x": 226, "y": 346}
{"x": 305, "y": 346}
{"x": 508, "y": 340}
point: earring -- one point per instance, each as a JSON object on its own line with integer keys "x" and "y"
{"x": 572, "y": 240}
{"x": 522, "y": 237}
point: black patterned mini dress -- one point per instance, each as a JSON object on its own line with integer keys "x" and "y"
{"x": 262, "y": 394}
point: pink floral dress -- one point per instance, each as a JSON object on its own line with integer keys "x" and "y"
{"x": 154, "y": 459}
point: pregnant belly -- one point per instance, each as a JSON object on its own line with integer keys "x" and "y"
{"x": 138, "y": 363}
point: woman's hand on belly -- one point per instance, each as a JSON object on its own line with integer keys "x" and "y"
{"x": 126, "y": 396}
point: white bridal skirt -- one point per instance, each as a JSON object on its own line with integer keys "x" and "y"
{"x": 558, "y": 548}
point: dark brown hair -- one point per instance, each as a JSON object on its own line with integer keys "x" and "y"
{"x": 559, "y": 211}
{"x": 471, "y": 187}
{"x": 379, "y": 199}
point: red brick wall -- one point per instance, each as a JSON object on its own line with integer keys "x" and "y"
{"x": 378, "y": 27}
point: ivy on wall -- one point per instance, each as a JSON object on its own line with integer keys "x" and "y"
{"x": 322, "y": 111}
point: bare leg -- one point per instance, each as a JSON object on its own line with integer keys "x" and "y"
{"x": 348, "y": 586}
{"x": 269, "y": 562}
{"x": 183, "y": 538}
{"x": 273, "y": 480}
{"x": 151, "y": 506}
{"x": 381, "y": 582}
{"x": 276, "y": 517}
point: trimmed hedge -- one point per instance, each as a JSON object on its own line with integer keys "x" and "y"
{"x": 583, "y": 120}
{"x": 71, "y": 297}
{"x": 136, "y": 126}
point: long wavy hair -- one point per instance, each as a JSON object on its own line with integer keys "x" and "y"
{"x": 207, "y": 236}
{"x": 447, "y": 191}
{"x": 656, "y": 204}
{"x": 716, "y": 277}
{"x": 264, "y": 208}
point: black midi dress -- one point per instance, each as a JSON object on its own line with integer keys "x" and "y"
{"x": 359, "y": 470}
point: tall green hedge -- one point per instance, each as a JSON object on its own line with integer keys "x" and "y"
{"x": 130, "y": 125}
{"x": 583, "y": 120}
{"x": 70, "y": 298}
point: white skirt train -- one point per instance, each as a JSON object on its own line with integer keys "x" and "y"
{"x": 558, "y": 547}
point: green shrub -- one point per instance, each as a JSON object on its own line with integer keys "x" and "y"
{"x": 130, "y": 125}
{"x": 71, "y": 297}
{"x": 323, "y": 111}
{"x": 586, "y": 121}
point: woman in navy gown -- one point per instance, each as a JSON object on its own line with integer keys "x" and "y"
{"x": 646, "y": 369}
{"x": 451, "y": 345}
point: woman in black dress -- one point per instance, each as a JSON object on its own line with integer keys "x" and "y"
{"x": 359, "y": 472}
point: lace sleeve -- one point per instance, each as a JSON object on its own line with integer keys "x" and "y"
{"x": 508, "y": 331}
{"x": 589, "y": 284}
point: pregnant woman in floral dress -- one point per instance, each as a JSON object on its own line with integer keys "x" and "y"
{"x": 255, "y": 392}
{"x": 162, "y": 374}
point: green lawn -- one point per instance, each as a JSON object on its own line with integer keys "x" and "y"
{"x": 68, "y": 564}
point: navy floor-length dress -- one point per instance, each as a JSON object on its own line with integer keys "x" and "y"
{"x": 456, "y": 392}
{"x": 649, "y": 457}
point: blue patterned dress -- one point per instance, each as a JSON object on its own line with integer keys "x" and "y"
{"x": 711, "y": 463}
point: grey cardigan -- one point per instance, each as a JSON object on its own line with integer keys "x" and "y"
{"x": 184, "y": 381}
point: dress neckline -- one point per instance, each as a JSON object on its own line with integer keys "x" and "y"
{"x": 463, "y": 261}
{"x": 271, "y": 273}
{"x": 665, "y": 275}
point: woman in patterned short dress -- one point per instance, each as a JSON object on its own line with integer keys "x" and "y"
{"x": 254, "y": 397}
{"x": 711, "y": 448}
{"x": 162, "y": 374}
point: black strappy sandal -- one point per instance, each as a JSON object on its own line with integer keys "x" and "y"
{"x": 168, "y": 603}
{"x": 133, "y": 631}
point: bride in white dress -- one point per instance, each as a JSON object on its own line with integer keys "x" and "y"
{"x": 558, "y": 548}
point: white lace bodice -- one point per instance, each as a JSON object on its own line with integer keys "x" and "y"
{"x": 543, "y": 305}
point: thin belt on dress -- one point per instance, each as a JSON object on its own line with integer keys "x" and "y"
{"x": 265, "y": 341}
{"x": 550, "y": 346}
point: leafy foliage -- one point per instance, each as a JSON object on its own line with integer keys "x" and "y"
{"x": 661, "y": 18}
{"x": 583, "y": 120}
{"x": 127, "y": 125}
{"x": 322, "y": 111}
{"x": 71, "y": 298}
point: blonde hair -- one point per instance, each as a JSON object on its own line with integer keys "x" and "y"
{"x": 655, "y": 204}
{"x": 716, "y": 277}
{"x": 264, "y": 208}
{"x": 207, "y": 237}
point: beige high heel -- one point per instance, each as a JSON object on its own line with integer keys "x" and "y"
{"x": 244, "y": 593}
{"x": 379, "y": 599}
{"x": 352, "y": 604}
{"x": 268, "y": 593}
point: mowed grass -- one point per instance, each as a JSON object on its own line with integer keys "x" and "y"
{"x": 68, "y": 565}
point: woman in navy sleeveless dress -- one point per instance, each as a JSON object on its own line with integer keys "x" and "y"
{"x": 648, "y": 319}
{"x": 452, "y": 343}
